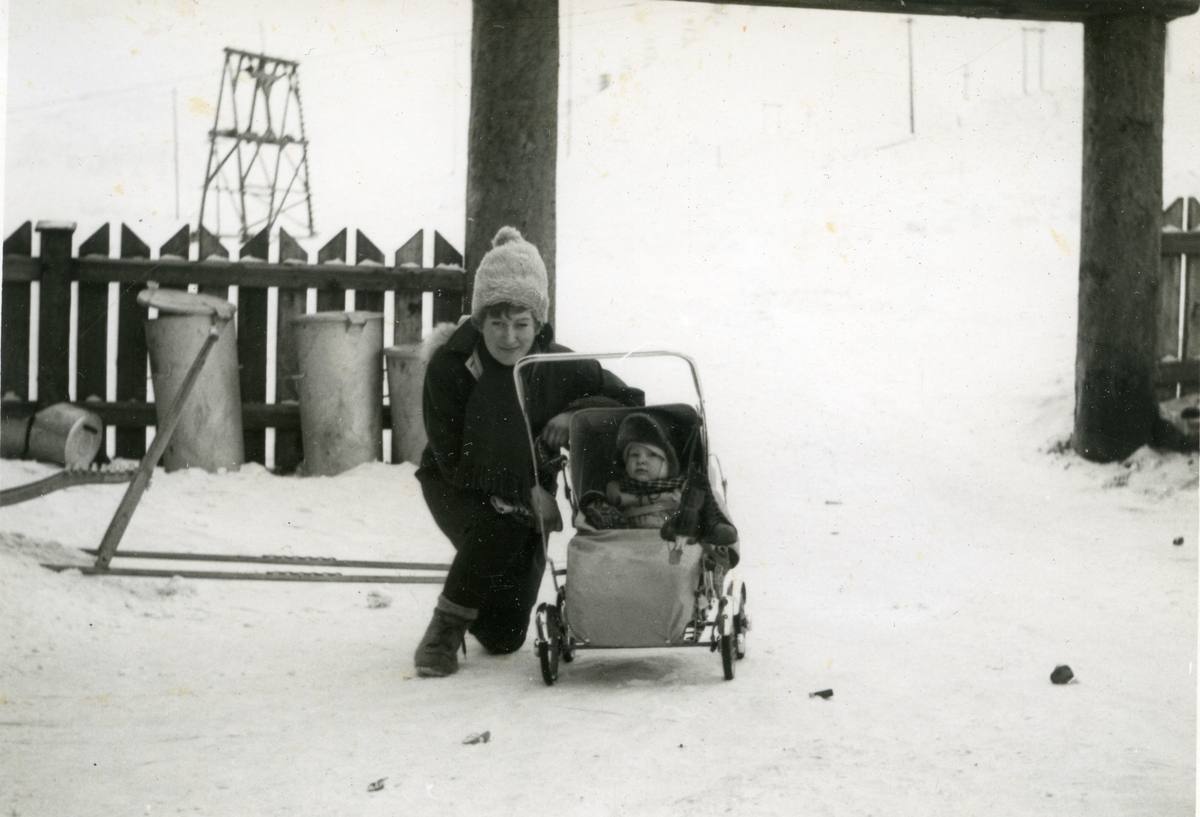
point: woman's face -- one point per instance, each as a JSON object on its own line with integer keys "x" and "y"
{"x": 509, "y": 337}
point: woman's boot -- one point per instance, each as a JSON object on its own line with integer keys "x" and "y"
{"x": 437, "y": 654}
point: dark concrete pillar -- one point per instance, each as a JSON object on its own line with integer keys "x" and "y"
{"x": 512, "y": 147}
{"x": 1115, "y": 404}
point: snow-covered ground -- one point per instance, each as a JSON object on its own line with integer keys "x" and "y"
{"x": 885, "y": 330}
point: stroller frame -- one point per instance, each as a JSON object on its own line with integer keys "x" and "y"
{"x": 718, "y": 621}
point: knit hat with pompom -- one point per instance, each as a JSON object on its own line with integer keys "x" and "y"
{"x": 512, "y": 272}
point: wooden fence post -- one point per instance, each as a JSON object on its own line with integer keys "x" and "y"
{"x": 404, "y": 370}
{"x": 15, "y": 321}
{"x": 177, "y": 246}
{"x": 1116, "y": 408}
{"x": 1191, "y": 303}
{"x": 131, "y": 349}
{"x": 365, "y": 252}
{"x": 448, "y": 307}
{"x": 407, "y": 320}
{"x": 91, "y": 357}
{"x": 54, "y": 314}
{"x": 289, "y": 446}
{"x": 332, "y": 299}
{"x": 210, "y": 245}
{"x": 1170, "y": 279}
{"x": 252, "y": 346}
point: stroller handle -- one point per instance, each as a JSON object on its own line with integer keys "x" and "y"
{"x": 530, "y": 360}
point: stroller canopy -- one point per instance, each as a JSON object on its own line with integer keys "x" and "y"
{"x": 594, "y": 457}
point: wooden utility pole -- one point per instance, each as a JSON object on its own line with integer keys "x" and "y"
{"x": 512, "y": 147}
{"x": 1115, "y": 404}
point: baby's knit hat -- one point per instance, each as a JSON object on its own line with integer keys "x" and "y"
{"x": 512, "y": 272}
{"x": 647, "y": 430}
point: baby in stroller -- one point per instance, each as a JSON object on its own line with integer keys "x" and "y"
{"x": 648, "y": 493}
{"x": 652, "y": 491}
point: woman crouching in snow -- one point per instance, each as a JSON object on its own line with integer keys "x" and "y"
{"x": 477, "y": 464}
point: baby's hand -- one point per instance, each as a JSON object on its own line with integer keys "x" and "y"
{"x": 613, "y": 493}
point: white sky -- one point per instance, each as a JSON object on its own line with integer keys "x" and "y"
{"x": 94, "y": 90}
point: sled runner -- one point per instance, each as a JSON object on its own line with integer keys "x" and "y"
{"x": 627, "y": 587}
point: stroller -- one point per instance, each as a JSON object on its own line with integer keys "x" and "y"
{"x": 629, "y": 587}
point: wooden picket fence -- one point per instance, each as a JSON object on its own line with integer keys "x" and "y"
{"x": 405, "y": 282}
{"x": 1178, "y": 349}
{"x": 212, "y": 272}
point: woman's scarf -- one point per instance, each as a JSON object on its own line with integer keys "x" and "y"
{"x": 630, "y": 485}
{"x": 495, "y": 445}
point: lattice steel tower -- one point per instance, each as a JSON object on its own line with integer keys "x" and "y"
{"x": 257, "y": 172}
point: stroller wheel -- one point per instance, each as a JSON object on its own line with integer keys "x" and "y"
{"x": 727, "y": 641}
{"x": 548, "y": 644}
{"x": 548, "y": 655}
{"x": 568, "y": 654}
{"x": 741, "y": 623}
{"x": 728, "y": 656}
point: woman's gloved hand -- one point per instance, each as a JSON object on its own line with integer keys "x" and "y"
{"x": 545, "y": 508}
{"x": 557, "y": 432}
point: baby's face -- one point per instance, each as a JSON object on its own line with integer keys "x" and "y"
{"x": 643, "y": 463}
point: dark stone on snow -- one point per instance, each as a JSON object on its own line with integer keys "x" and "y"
{"x": 1061, "y": 675}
